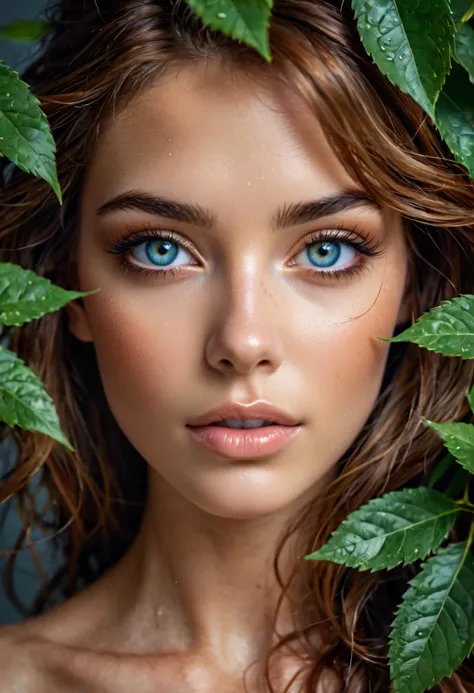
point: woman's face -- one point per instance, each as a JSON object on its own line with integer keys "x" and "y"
{"x": 255, "y": 292}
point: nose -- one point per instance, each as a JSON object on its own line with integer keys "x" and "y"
{"x": 244, "y": 338}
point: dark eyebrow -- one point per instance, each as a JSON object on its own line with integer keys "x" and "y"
{"x": 154, "y": 204}
{"x": 303, "y": 212}
{"x": 288, "y": 215}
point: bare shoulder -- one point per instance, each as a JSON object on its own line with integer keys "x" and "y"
{"x": 31, "y": 664}
{"x": 20, "y": 661}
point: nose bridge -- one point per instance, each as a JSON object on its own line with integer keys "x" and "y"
{"x": 245, "y": 334}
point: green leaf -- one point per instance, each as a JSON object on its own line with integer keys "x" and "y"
{"x": 25, "y": 137}
{"x": 433, "y": 630}
{"x": 447, "y": 329}
{"x": 25, "y": 296}
{"x": 459, "y": 439}
{"x": 440, "y": 469}
{"x": 23, "y": 400}
{"x": 455, "y": 116}
{"x": 401, "y": 526}
{"x": 243, "y": 20}
{"x": 24, "y": 30}
{"x": 411, "y": 43}
{"x": 465, "y": 49}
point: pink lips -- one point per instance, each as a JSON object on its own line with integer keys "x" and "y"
{"x": 244, "y": 443}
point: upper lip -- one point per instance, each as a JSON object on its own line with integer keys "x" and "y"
{"x": 244, "y": 412}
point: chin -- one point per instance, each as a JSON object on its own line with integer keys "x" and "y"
{"x": 250, "y": 495}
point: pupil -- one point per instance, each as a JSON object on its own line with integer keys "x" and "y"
{"x": 163, "y": 248}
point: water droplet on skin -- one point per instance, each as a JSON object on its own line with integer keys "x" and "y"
{"x": 221, "y": 15}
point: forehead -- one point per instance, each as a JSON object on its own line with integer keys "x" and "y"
{"x": 216, "y": 136}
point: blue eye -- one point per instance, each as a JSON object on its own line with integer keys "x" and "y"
{"x": 161, "y": 252}
{"x": 327, "y": 255}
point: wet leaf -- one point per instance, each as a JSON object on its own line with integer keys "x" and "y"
{"x": 399, "y": 527}
{"x": 433, "y": 630}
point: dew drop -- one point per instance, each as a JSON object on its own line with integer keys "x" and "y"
{"x": 221, "y": 15}
{"x": 402, "y": 56}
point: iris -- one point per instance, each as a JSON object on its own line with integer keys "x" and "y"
{"x": 324, "y": 253}
{"x": 162, "y": 252}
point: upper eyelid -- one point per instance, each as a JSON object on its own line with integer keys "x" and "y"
{"x": 339, "y": 232}
{"x": 361, "y": 242}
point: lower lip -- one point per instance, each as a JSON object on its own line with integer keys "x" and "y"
{"x": 243, "y": 443}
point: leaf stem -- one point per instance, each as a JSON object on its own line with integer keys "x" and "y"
{"x": 465, "y": 503}
{"x": 468, "y": 14}
{"x": 470, "y": 537}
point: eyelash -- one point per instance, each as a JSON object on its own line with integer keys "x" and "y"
{"x": 352, "y": 236}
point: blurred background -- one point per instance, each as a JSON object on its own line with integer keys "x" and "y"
{"x": 27, "y": 583}
{"x": 17, "y": 55}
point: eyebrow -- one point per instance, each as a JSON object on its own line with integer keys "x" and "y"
{"x": 292, "y": 214}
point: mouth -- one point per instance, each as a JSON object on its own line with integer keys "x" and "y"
{"x": 244, "y": 432}
{"x": 243, "y": 423}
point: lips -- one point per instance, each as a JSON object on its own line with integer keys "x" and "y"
{"x": 244, "y": 443}
{"x": 245, "y": 412}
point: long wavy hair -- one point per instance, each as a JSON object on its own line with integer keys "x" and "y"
{"x": 97, "y": 56}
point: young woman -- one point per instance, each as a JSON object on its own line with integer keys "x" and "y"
{"x": 254, "y": 229}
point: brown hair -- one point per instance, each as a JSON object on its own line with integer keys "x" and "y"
{"x": 99, "y": 54}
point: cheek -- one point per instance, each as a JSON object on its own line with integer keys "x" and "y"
{"x": 341, "y": 365}
{"x": 146, "y": 352}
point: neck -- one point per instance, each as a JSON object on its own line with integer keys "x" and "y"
{"x": 209, "y": 583}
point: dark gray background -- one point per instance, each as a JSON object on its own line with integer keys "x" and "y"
{"x": 15, "y": 54}
{"x": 18, "y": 56}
